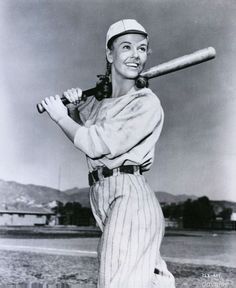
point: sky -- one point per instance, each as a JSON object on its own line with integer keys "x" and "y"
{"x": 49, "y": 46}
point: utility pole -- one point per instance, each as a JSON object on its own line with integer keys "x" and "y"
{"x": 59, "y": 179}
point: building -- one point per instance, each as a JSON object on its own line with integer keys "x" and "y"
{"x": 26, "y": 217}
{"x": 173, "y": 223}
{"x": 233, "y": 216}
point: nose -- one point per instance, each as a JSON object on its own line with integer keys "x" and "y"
{"x": 135, "y": 53}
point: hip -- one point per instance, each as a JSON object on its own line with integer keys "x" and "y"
{"x": 128, "y": 190}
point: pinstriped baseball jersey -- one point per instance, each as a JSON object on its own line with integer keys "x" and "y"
{"x": 124, "y": 131}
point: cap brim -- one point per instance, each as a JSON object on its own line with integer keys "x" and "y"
{"x": 124, "y": 33}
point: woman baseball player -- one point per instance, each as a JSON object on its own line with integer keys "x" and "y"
{"x": 118, "y": 136}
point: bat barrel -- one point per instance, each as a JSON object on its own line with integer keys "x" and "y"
{"x": 181, "y": 63}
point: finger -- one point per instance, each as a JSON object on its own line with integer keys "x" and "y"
{"x": 46, "y": 100}
{"x": 44, "y": 104}
{"x": 58, "y": 100}
{"x": 71, "y": 91}
{"x": 79, "y": 92}
{"x": 57, "y": 97}
{"x": 64, "y": 94}
{"x": 67, "y": 94}
{"x": 74, "y": 95}
{"x": 52, "y": 99}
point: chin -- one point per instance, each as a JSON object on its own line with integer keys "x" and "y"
{"x": 131, "y": 74}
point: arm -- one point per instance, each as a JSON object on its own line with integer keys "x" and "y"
{"x": 129, "y": 125}
{"x": 126, "y": 126}
{"x": 59, "y": 114}
{"x": 68, "y": 118}
{"x": 74, "y": 96}
{"x": 69, "y": 127}
{"x": 79, "y": 109}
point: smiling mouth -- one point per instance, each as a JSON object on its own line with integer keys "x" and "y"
{"x": 132, "y": 65}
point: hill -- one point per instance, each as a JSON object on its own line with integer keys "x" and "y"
{"x": 168, "y": 198}
{"x": 25, "y": 195}
{"x": 16, "y": 194}
{"x": 28, "y": 195}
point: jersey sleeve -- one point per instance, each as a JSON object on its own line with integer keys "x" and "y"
{"x": 128, "y": 126}
{"x": 80, "y": 113}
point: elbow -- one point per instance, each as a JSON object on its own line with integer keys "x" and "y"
{"x": 88, "y": 142}
{"x": 93, "y": 153}
{"x": 94, "y": 156}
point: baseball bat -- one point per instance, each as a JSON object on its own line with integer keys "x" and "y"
{"x": 176, "y": 64}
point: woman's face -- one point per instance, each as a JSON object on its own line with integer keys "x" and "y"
{"x": 128, "y": 55}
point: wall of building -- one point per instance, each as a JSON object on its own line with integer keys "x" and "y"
{"x": 233, "y": 216}
{"x": 22, "y": 219}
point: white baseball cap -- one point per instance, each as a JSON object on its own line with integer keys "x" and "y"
{"x": 122, "y": 27}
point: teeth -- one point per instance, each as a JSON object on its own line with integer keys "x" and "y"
{"x": 132, "y": 65}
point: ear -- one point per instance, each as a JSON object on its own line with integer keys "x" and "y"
{"x": 109, "y": 55}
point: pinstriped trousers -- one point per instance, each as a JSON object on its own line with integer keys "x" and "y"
{"x": 131, "y": 219}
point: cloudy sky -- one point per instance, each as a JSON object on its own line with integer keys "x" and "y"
{"x": 49, "y": 46}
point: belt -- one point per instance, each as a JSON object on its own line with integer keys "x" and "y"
{"x": 104, "y": 172}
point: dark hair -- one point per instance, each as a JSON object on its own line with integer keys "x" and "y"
{"x": 108, "y": 68}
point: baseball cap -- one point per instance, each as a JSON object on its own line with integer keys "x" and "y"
{"x": 122, "y": 27}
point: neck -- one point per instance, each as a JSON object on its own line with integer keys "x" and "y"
{"x": 121, "y": 86}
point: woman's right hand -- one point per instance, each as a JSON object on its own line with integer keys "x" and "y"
{"x": 73, "y": 95}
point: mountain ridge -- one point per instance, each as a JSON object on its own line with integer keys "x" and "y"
{"x": 30, "y": 195}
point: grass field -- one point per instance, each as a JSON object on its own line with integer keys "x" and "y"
{"x": 27, "y": 269}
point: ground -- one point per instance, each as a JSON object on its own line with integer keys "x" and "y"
{"x": 26, "y": 269}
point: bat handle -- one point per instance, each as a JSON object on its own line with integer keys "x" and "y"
{"x": 85, "y": 94}
{"x": 40, "y": 108}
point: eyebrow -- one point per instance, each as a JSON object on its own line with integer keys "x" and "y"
{"x": 127, "y": 42}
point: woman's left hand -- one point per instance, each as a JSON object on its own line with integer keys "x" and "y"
{"x": 55, "y": 108}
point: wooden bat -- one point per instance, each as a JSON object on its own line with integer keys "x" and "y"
{"x": 176, "y": 64}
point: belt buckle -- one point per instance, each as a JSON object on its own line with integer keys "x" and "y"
{"x": 136, "y": 170}
{"x": 116, "y": 171}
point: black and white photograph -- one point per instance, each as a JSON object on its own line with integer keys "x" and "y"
{"x": 118, "y": 144}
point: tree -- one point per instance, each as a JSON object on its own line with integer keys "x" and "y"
{"x": 173, "y": 211}
{"x": 226, "y": 213}
{"x": 198, "y": 213}
{"x": 72, "y": 213}
{"x": 188, "y": 215}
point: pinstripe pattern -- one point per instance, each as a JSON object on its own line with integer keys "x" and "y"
{"x": 132, "y": 222}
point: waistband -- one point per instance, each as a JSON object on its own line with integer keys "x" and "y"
{"x": 104, "y": 172}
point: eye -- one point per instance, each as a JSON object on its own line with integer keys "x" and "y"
{"x": 143, "y": 49}
{"x": 126, "y": 47}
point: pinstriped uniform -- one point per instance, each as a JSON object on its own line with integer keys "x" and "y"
{"x": 131, "y": 219}
{"x": 124, "y": 131}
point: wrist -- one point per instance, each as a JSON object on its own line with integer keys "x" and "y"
{"x": 62, "y": 119}
{"x": 69, "y": 126}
